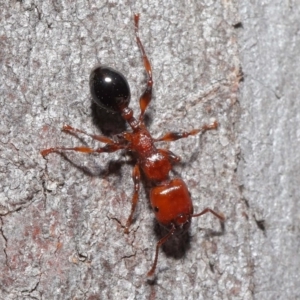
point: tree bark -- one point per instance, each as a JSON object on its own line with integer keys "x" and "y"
{"x": 63, "y": 216}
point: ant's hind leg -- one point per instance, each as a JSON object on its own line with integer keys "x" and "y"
{"x": 173, "y": 136}
{"x": 173, "y": 158}
{"x": 159, "y": 243}
{"x": 147, "y": 94}
{"x": 220, "y": 216}
{"x": 136, "y": 176}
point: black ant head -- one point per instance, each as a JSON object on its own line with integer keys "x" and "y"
{"x": 109, "y": 89}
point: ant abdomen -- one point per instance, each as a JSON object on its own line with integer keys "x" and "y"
{"x": 109, "y": 89}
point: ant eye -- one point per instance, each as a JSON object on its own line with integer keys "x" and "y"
{"x": 156, "y": 209}
{"x": 109, "y": 89}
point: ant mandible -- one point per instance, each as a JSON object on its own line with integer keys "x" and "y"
{"x": 170, "y": 198}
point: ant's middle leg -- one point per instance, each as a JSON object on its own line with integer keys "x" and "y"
{"x": 173, "y": 136}
{"x": 100, "y": 138}
{"x": 147, "y": 94}
{"x": 82, "y": 149}
{"x": 110, "y": 146}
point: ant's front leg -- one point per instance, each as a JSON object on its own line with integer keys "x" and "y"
{"x": 173, "y": 136}
{"x": 136, "y": 176}
{"x": 147, "y": 94}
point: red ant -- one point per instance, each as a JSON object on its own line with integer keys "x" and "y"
{"x": 170, "y": 198}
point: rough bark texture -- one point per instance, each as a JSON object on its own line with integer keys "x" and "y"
{"x": 269, "y": 168}
{"x": 61, "y": 233}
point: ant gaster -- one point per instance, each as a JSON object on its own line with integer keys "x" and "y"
{"x": 169, "y": 197}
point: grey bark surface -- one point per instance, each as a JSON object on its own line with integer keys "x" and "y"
{"x": 269, "y": 168}
{"x": 61, "y": 233}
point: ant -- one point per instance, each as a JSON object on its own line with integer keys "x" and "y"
{"x": 169, "y": 197}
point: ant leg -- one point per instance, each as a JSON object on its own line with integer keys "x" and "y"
{"x": 173, "y": 158}
{"x": 83, "y": 149}
{"x": 136, "y": 176}
{"x": 146, "y": 96}
{"x": 206, "y": 210}
{"x": 159, "y": 243}
{"x": 110, "y": 146}
{"x": 100, "y": 138}
{"x": 173, "y": 136}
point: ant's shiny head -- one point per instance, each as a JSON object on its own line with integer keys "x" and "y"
{"x": 109, "y": 89}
